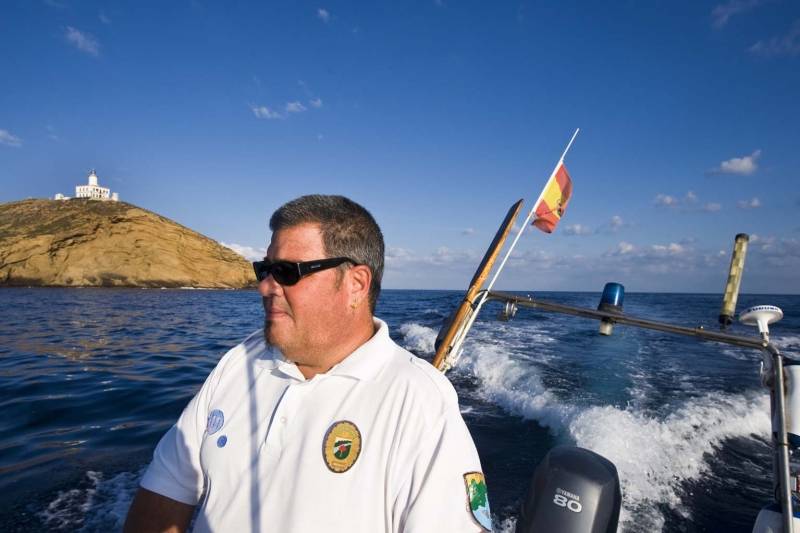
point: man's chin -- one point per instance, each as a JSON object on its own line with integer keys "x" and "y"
{"x": 272, "y": 336}
{"x": 268, "y": 334}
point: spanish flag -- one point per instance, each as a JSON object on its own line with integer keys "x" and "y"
{"x": 554, "y": 200}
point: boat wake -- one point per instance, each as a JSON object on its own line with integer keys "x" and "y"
{"x": 655, "y": 454}
{"x": 97, "y": 504}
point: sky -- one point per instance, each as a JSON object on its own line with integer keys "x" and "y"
{"x": 436, "y": 116}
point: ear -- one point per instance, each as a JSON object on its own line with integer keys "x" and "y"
{"x": 359, "y": 279}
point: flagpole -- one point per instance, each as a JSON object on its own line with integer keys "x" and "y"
{"x": 569, "y": 145}
{"x": 454, "y": 351}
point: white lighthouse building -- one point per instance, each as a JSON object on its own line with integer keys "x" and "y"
{"x": 91, "y": 190}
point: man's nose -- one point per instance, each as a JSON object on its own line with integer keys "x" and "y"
{"x": 269, "y": 287}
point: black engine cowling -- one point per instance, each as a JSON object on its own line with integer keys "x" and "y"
{"x": 573, "y": 490}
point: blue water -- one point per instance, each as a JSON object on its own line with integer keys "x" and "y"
{"x": 91, "y": 378}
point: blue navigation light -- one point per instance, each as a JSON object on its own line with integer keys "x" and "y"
{"x": 613, "y": 295}
{"x": 610, "y": 302}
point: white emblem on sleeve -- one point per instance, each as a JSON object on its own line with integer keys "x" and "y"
{"x": 215, "y": 421}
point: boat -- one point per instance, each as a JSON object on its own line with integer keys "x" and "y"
{"x": 576, "y": 490}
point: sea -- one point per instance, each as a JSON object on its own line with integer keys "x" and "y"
{"x": 90, "y": 379}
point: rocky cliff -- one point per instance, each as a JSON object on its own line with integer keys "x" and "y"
{"x": 85, "y": 243}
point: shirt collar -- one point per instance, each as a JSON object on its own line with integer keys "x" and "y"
{"x": 363, "y": 364}
{"x": 368, "y": 359}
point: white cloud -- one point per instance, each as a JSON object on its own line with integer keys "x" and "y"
{"x": 788, "y": 44}
{"x": 615, "y": 224}
{"x": 722, "y": 13}
{"x": 313, "y": 101}
{"x": 468, "y": 231}
{"x": 265, "y": 112}
{"x": 659, "y": 260}
{"x": 7, "y": 138}
{"x": 688, "y": 204}
{"x": 743, "y": 166}
{"x": 778, "y": 253}
{"x": 395, "y": 253}
{"x": 295, "y": 107}
{"x": 577, "y": 229}
{"x": 399, "y": 258}
{"x": 104, "y": 18}
{"x": 666, "y": 200}
{"x": 674, "y": 265}
{"x": 672, "y": 248}
{"x": 753, "y": 203}
{"x": 445, "y": 256}
{"x": 82, "y": 41}
{"x": 625, "y": 248}
{"x": 323, "y": 15}
{"x": 248, "y": 252}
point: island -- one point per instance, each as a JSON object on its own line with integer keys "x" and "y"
{"x": 82, "y": 242}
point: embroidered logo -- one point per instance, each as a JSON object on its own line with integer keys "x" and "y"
{"x": 215, "y": 420}
{"x": 222, "y": 441}
{"x": 478, "y": 498}
{"x": 341, "y": 446}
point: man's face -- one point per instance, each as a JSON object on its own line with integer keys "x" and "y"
{"x": 303, "y": 320}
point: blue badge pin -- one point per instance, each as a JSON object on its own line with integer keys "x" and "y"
{"x": 215, "y": 421}
{"x": 222, "y": 441}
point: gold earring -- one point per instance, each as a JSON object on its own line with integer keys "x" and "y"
{"x": 353, "y": 305}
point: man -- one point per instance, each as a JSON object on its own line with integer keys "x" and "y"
{"x": 321, "y": 423}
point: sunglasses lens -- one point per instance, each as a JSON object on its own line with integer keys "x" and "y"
{"x": 285, "y": 273}
{"x": 262, "y": 270}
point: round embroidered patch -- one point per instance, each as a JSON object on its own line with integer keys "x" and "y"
{"x": 215, "y": 420}
{"x": 341, "y": 446}
{"x": 222, "y": 441}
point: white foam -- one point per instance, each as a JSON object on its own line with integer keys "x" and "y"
{"x": 514, "y": 386}
{"x": 504, "y": 526}
{"x": 740, "y": 354}
{"x": 653, "y": 455}
{"x": 418, "y": 338}
{"x": 69, "y": 507}
{"x": 99, "y": 506}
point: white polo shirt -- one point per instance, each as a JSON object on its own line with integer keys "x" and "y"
{"x": 377, "y": 443}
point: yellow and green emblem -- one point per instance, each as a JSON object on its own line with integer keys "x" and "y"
{"x": 478, "y": 498}
{"x": 341, "y": 446}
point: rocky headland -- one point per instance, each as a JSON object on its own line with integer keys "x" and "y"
{"x": 87, "y": 243}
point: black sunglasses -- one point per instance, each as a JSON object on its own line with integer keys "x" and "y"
{"x": 289, "y": 273}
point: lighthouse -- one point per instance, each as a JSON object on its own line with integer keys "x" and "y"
{"x": 94, "y": 191}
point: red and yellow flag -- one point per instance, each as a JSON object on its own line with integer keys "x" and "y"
{"x": 554, "y": 200}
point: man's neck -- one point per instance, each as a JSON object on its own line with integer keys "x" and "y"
{"x": 335, "y": 355}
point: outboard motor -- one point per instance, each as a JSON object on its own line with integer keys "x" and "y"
{"x": 573, "y": 490}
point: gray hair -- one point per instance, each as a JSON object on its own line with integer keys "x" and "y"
{"x": 348, "y": 230}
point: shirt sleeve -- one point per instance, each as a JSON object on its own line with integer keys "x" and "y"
{"x": 175, "y": 471}
{"x": 445, "y": 490}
